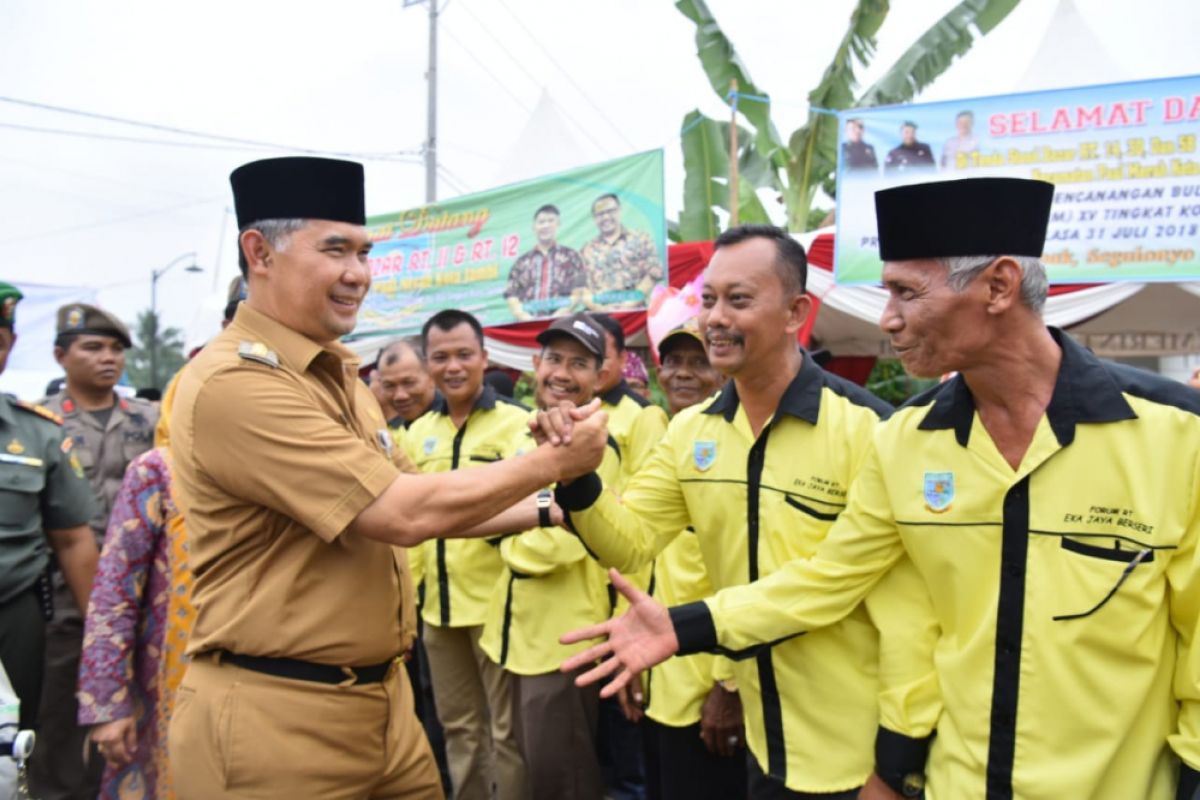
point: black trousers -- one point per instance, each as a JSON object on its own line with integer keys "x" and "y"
{"x": 22, "y": 648}
{"x": 766, "y": 787}
{"x": 679, "y": 766}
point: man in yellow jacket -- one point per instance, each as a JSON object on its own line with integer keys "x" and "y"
{"x": 469, "y": 427}
{"x": 1048, "y": 501}
{"x": 550, "y": 584}
{"x": 760, "y": 472}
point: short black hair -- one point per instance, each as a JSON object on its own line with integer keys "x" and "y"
{"x": 150, "y": 393}
{"x": 614, "y": 329}
{"x": 447, "y": 320}
{"x": 391, "y": 352}
{"x": 966, "y": 113}
{"x": 608, "y": 196}
{"x": 791, "y": 263}
{"x": 553, "y": 209}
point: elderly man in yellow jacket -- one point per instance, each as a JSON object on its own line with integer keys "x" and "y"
{"x": 1049, "y": 502}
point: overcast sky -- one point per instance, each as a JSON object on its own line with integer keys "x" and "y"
{"x": 349, "y": 78}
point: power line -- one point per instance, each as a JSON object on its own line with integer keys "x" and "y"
{"x": 567, "y": 75}
{"x": 198, "y": 134}
{"x": 456, "y": 182}
{"x": 104, "y": 223}
{"x": 536, "y": 81}
{"x": 135, "y": 139}
{"x": 485, "y": 69}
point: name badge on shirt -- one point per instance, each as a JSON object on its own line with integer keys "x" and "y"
{"x": 939, "y": 491}
{"x": 385, "y": 440}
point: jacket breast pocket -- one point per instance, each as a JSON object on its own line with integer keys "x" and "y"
{"x": 814, "y": 510}
{"x": 20, "y": 490}
{"x": 1097, "y": 571}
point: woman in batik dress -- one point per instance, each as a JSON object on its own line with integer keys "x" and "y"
{"x": 137, "y": 624}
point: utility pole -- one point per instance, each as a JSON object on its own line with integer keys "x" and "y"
{"x": 431, "y": 122}
{"x": 431, "y": 136}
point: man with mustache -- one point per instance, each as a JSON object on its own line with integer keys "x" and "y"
{"x": 549, "y": 585}
{"x": 760, "y": 472}
{"x": 298, "y": 508}
{"x": 108, "y": 431}
{"x": 1048, "y": 502}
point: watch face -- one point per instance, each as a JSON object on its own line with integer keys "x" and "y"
{"x": 914, "y": 784}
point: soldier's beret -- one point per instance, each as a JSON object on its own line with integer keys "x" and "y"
{"x": 9, "y": 297}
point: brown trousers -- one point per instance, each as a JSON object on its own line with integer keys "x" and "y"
{"x": 474, "y": 704}
{"x": 556, "y": 725}
{"x": 242, "y": 734}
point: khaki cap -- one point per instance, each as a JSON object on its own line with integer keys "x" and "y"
{"x": 82, "y": 318}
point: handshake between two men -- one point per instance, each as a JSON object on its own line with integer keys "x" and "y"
{"x": 642, "y": 637}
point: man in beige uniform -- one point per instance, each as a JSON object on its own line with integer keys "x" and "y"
{"x": 107, "y": 432}
{"x": 286, "y": 472}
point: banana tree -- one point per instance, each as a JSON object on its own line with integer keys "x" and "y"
{"x": 807, "y": 162}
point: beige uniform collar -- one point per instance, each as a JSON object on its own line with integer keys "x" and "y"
{"x": 295, "y": 350}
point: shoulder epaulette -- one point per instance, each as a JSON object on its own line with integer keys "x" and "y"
{"x": 41, "y": 411}
{"x": 257, "y": 351}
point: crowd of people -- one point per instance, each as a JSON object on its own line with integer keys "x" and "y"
{"x": 289, "y": 581}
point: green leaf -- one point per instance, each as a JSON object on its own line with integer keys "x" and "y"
{"x": 705, "y": 144}
{"x": 704, "y": 161}
{"x": 933, "y": 53}
{"x": 813, "y": 147}
{"x": 722, "y": 65}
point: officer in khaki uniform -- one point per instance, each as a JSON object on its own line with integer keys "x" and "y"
{"x": 44, "y": 498}
{"x": 294, "y": 496}
{"x": 108, "y": 431}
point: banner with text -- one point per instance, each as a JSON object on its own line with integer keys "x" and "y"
{"x": 1123, "y": 159}
{"x": 592, "y": 238}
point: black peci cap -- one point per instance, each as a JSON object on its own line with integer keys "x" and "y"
{"x": 299, "y": 187}
{"x": 970, "y": 217}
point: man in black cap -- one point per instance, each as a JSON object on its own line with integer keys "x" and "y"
{"x": 910, "y": 154}
{"x": 108, "y": 431}
{"x": 295, "y": 498}
{"x": 1048, "y": 500}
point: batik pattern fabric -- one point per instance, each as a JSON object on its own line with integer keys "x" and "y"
{"x": 131, "y": 652}
{"x": 616, "y": 269}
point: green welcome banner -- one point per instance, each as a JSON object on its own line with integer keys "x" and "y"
{"x": 592, "y": 238}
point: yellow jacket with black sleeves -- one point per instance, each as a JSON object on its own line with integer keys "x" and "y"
{"x": 459, "y": 573}
{"x": 755, "y": 504}
{"x": 1066, "y": 591}
{"x": 548, "y": 585}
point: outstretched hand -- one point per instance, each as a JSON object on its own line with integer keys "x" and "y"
{"x": 635, "y": 641}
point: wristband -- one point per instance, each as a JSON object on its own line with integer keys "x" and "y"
{"x": 544, "y": 498}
